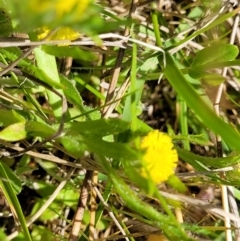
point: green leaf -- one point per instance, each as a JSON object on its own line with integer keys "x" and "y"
{"x": 150, "y": 64}
{"x": 208, "y": 57}
{"x": 14, "y": 53}
{"x": 110, "y": 149}
{"x": 40, "y": 233}
{"x": 12, "y": 178}
{"x": 14, "y": 132}
{"x": 213, "y": 79}
{"x": 196, "y": 73}
{"x": 215, "y": 53}
{"x": 48, "y": 67}
{"x": 71, "y": 93}
{"x": 73, "y": 144}
{"x": 38, "y": 129}
{"x": 67, "y": 51}
{"x": 52, "y": 212}
{"x": 99, "y": 128}
{"x": 236, "y": 193}
{"x": 39, "y": 73}
{"x": 67, "y": 195}
{"x": 209, "y": 78}
{"x": 9, "y": 117}
{"x": 177, "y": 184}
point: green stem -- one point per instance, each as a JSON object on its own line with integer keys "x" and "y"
{"x": 156, "y": 26}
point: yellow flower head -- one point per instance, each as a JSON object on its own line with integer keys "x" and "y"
{"x": 33, "y": 15}
{"x": 160, "y": 158}
{"x": 59, "y": 7}
{"x": 63, "y": 33}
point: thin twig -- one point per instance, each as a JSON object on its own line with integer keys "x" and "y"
{"x": 93, "y": 206}
{"x": 82, "y": 203}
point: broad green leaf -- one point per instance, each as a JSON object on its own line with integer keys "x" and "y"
{"x": 38, "y": 129}
{"x": 208, "y": 56}
{"x": 71, "y": 93}
{"x": 91, "y": 113}
{"x": 9, "y": 117}
{"x": 3, "y": 3}
{"x": 14, "y": 132}
{"x": 143, "y": 127}
{"x": 150, "y": 64}
{"x": 48, "y": 66}
{"x": 110, "y": 149}
{"x": 67, "y": 51}
{"x": 100, "y": 225}
{"x": 100, "y": 128}
{"x": 196, "y": 73}
{"x": 195, "y": 13}
{"x": 39, "y": 73}
{"x": 215, "y": 53}
{"x": 213, "y": 79}
{"x": 210, "y": 78}
{"x": 14, "y": 53}
{"x": 73, "y": 144}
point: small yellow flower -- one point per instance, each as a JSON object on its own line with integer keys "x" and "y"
{"x": 63, "y": 33}
{"x": 160, "y": 158}
{"x": 59, "y": 7}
